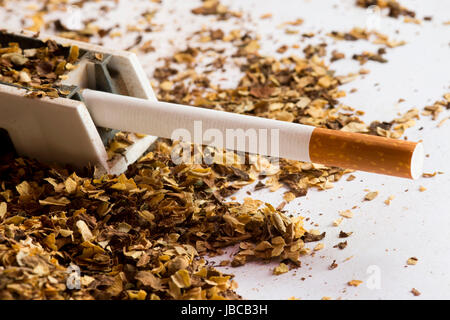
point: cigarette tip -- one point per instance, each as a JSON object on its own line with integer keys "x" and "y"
{"x": 417, "y": 160}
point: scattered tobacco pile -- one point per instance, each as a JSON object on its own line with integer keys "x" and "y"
{"x": 38, "y": 69}
{"x": 145, "y": 234}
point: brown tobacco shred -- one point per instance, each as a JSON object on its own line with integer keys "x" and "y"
{"x": 370, "y": 196}
{"x": 412, "y": 261}
{"x": 337, "y": 56}
{"x": 333, "y": 265}
{"x": 354, "y": 283}
{"x": 415, "y": 292}
{"x": 214, "y": 7}
{"x": 366, "y": 56}
{"x": 37, "y": 69}
{"x": 310, "y": 237}
{"x": 341, "y": 245}
{"x": 358, "y": 33}
{"x": 343, "y": 234}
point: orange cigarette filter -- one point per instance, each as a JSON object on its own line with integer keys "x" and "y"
{"x": 366, "y": 153}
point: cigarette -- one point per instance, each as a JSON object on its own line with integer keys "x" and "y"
{"x": 281, "y": 139}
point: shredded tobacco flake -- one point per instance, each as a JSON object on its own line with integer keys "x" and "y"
{"x": 389, "y": 199}
{"x": 354, "y": 283}
{"x": 346, "y": 214}
{"x": 338, "y": 221}
{"x": 341, "y": 245}
{"x": 333, "y": 265}
{"x": 366, "y": 56}
{"x": 282, "y": 268}
{"x": 343, "y": 234}
{"x": 371, "y": 195}
{"x": 319, "y": 246}
{"x": 146, "y": 232}
{"x": 395, "y": 9}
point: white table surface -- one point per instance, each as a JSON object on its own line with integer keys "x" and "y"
{"x": 384, "y": 237}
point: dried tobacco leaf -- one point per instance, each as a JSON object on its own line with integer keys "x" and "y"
{"x": 395, "y": 9}
{"x": 37, "y": 69}
{"x": 142, "y": 235}
{"x": 415, "y": 292}
{"x": 341, "y": 245}
{"x": 3, "y": 209}
{"x": 343, "y": 234}
{"x": 371, "y": 195}
{"x": 346, "y": 214}
{"x": 309, "y": 237}
{"x": 333, "y": 265}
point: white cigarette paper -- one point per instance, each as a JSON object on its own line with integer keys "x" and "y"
{"x": 163, "y": 119}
